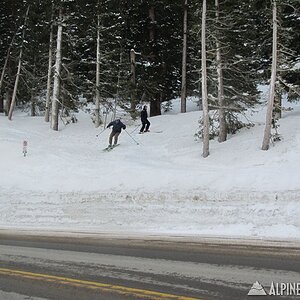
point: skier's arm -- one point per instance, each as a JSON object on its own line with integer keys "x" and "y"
{"x": 110, "y": 124}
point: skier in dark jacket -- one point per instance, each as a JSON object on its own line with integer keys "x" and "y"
{"x": 144, "y": 119}
{"x": 117, "y": 126}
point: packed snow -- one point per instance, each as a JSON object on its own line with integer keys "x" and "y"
{"x": 153, "y": 183}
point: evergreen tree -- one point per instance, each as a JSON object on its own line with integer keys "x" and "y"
{"x": 288, "y": 52}
{"x": 228, "y": 33}
{"x": 11, "y": 16}
{"x": 240, "y": 36}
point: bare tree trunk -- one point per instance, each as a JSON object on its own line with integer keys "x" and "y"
{"x": 204, "y": 85}
{"x": 133, "y": 80}
{"x": 184, "y": 54}
{"x": 199, "y": 89}
{"x": 13, "y": 100}
{"x": 267, "y": 132}
{"x": 56, "y": 86}
{"x": 7, "y": 101}
{"x": 2, "y": 104}
{"x": 222, "y": 119}
{"x": 4, "y": 68}
{"x": 277, "y": 105}
{"x": 47, "y": 110}
{"x": 152, "y": 18}
{"x": 97, "y": 104}
{"x": 33, "y": 104}
{"x": 118, "y": 87}
{"x": 6, "y": 61}
{"x": 155, "y": 109}
{"x": 33, "y": 92}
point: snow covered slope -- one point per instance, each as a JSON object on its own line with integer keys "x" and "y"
{"x": 161, "y": 185}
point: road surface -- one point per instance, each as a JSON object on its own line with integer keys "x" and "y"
{"x": 94, "y": 267}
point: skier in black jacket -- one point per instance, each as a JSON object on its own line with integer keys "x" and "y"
{"x": 144, "y": 119}
{"x": 117, "y": 126}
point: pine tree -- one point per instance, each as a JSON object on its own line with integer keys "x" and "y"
{"x": 288, "y": 54}
{"x": 231, "y": 64}
{"x": 11, "y": 19}
{"x": 219, "y": 65}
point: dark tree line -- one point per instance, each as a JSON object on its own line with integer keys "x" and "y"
{"x": 241, "y": 34}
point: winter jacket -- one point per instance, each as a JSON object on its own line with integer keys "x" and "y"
{"x": 117, "y": 125}
{"x": 144, "y": 115}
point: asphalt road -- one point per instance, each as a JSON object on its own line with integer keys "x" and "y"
{"x": 63, "y": 268}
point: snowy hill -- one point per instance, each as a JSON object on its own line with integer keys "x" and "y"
{"x": 162, "y": 185}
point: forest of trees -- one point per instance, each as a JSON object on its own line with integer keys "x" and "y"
{"x": 59, "y": 55}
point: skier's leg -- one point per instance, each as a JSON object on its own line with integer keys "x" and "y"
{"x": 111, "y": 137}
{"x": 148, "y": 125}
{"x": 116, "y": 138}
{"x": 143, "y": 126}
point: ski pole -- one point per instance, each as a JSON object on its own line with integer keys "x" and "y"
{"x": 131, "y": 137}
{"x": 101, "y": 132}
{"x": 135, "y": 129}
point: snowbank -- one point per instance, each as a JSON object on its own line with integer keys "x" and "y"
{"x": 162, "y": 185}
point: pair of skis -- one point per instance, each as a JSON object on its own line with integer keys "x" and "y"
{"x": 151, "y": 131}
{"x": 109, "y": 148}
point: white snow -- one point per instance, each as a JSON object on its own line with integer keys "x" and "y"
{"x": 14, "y": 296}
{"x": 296, "y": 66}
{"x": 161, "y": 186}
